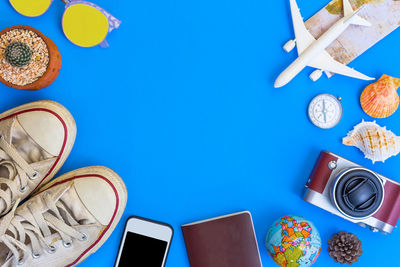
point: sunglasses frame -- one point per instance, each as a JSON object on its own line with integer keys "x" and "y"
{"x": 113, "y": 22}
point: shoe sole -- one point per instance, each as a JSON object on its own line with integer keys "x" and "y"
{"x": 115, "y": 180}
{"x": 70, "y": 129}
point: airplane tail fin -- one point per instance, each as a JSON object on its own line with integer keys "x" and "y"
{"x": 353, "y": 15}
{"x": 347, "y": 9}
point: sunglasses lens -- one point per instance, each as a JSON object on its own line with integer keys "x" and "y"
{"x": 85, "y": 25}
{"x": 31, "y": 8}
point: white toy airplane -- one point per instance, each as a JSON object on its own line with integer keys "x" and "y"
{"x": 312, "y": 52}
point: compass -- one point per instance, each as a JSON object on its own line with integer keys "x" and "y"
{"x": 325, "y": 111}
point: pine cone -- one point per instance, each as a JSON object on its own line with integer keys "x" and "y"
{"x": 18, "y": 54}
{"x": 344, "y": 248}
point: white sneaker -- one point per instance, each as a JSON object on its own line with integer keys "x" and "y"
{"x": 35, "y": 141}
{"x": 65, "y": 221}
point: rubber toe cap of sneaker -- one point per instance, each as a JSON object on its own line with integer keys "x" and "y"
{"x": 98, "y": 197}
{"x": 45, "y": 128}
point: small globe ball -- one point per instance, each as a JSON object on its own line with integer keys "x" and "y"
{"x": 293, "y": 241}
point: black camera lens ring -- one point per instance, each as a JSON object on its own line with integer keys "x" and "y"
{"x": 358, "y": 193}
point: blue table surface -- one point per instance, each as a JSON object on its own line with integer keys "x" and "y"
{"x": 182, "y": 106}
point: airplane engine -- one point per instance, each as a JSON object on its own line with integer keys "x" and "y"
{"x": 289, "y": 46}
{"x": 315, "y": 75}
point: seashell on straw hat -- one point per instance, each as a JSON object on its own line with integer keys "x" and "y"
{"x": 376, "y": 142}
{"x": 380, "y": 99}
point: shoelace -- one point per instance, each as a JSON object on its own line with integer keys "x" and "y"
{"x": 17, "y": 168}
{"x": 36, "y": 225}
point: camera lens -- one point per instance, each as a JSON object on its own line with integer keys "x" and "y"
{"x": 358, "y": 193}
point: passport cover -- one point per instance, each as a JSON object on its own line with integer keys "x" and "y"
{"x": 226, "y": 241}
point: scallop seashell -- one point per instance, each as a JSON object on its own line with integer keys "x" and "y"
{"x": 376, "y": 142}
{"x": 380, "y": 99}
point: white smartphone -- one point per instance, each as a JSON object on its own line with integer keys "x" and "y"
{"x": 144, "y": 243}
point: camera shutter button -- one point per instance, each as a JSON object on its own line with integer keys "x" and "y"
{"x": 332, "y": 165}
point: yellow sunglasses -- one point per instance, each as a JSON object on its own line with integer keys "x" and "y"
{"x": 84, "y": 24}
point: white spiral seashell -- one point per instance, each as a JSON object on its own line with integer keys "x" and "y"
{"x": 376, "y": 142}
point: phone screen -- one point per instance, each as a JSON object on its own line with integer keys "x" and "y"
{"x": 140, "y": 250}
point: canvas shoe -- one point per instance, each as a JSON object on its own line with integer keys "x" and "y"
{"x": 35, "y": 140}
{"x": 65, "y": 221}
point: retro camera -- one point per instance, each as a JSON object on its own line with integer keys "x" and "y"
{"x": 354, "y": 193}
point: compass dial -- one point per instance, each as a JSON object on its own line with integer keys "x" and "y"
{"x": 325, "y": 111}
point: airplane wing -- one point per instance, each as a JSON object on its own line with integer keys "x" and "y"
{"x": 326, "y": 63}
{"x": 303, "y": 36}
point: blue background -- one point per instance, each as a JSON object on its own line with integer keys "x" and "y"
{"x": 182, "y": 106}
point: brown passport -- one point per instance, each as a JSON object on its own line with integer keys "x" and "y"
{"x": 226, "y": 241}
